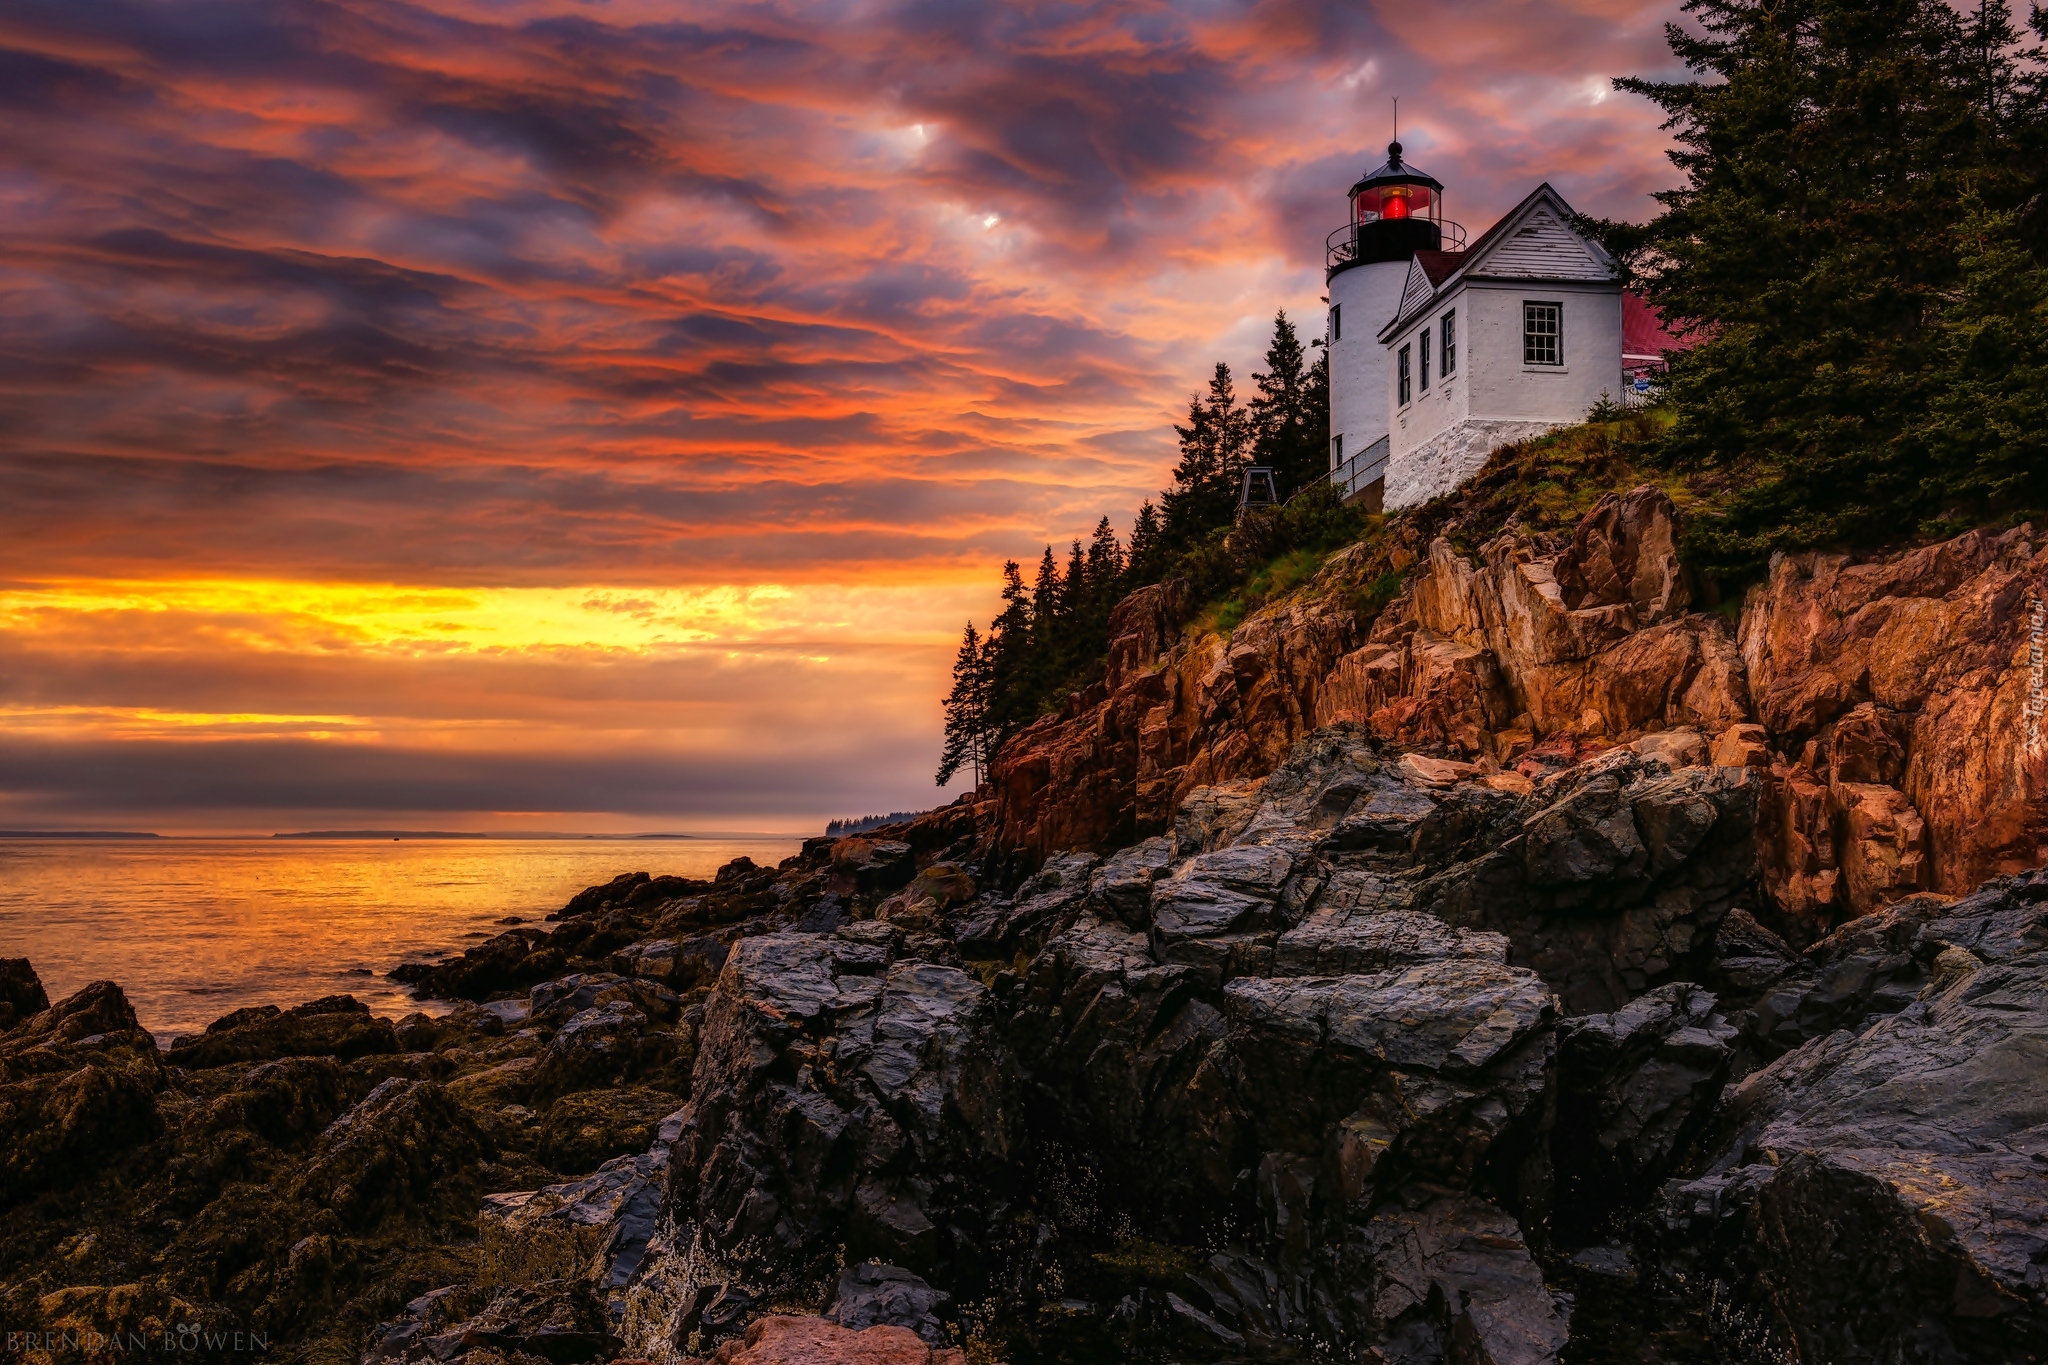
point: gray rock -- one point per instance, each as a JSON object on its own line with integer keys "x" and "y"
{"x": 838, "y": 1104}
{"x": 594, "y": 1231}
{"x": 870, "y": 1294}
{"x": 599, "y": 1046}
{"x": 1883, "y": 1193}
{"x": 1459, "y": 1266}
{"x": 1121, "y": 889}
{"x": 1335, "y": 940}
{"x": 1634, "y": 1087}
{"x": 1615, "y": 881}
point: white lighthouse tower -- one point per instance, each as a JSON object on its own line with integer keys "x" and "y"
{"x": 1396, "y": 211}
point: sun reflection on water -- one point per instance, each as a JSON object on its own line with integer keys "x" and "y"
{"x": 194, "y": 928}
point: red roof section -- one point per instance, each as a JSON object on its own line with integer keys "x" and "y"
{"x": 1438, "y": 265}
{"x": 1644, "y": 335}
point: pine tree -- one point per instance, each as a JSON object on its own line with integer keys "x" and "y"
{"x": 1147, "y": 553}
{"x": 1010, "y": 701}
{"x": 1104, "y": 573}
{"x": 967, "y": 720}
{"x": 1074, "y": 591}
{"x": 1215, "y": 447}
{"x": 1817, "y": 243}
{"x": 1291, "y": 428}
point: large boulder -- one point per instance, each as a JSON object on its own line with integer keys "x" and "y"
{"x": 394, "y": 1156}
{"x": 79, "y": 1084}
{"x": 21, "y": 992}
{"x": 840, "y": 1099}
{"x": 871, "y": 1294}
{"x": 1616, "y": 877}
{"x": 338, "y": 1026}
{"x": 512, "y": 960}
{"x": 1881, "y": 1192}
{"x": 594, "y": 1231}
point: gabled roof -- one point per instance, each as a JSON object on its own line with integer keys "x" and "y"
{"x": 1533, "y": 241}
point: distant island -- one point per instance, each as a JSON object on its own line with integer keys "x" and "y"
{"x": 76, "y": 834}
{"x": 452, "y": 834}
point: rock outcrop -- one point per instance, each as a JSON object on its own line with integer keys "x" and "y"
{"x": 1881, "y": 1192}
{"x": 1884, "y": 701}
{"x": 1896, "y": 694}
{"x": 79, "y": 1085}
{"x": 844, "y": 1100}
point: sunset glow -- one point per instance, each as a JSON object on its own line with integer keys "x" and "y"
{"x": 549, "y": 415}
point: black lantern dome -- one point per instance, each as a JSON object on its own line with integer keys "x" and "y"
{"x": 1396, "y": 211}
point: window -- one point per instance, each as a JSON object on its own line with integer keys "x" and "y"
{"x": 1542, "y": 342}
{"x": 1402, "y": 385}
{"x": 1336, "y": 451}
{"x": 1428, "y": 335}
{"x": 1450, "y": 344}
{"x": 1336, "y": 322}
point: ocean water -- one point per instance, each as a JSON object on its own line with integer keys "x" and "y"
{"x": 194, "y": 928}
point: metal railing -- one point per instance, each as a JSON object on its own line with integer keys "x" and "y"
{"x": 1337, "y": 252}
{"x": 1362, "y": 470}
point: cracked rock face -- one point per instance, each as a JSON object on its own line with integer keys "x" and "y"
{"x": 842, "y": 1099}
{"x": 1884, "y": 1189}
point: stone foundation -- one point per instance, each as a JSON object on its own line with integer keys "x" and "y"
{"x": 1446, "y": 460}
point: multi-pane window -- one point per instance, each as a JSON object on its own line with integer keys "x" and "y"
{"x": 1428, "y": 335}
{"x": 1336, "y": 322}
{"x": 1450, "y": 344}
{"x": 1542, "y": 339}
{"x": 1401, "y": 379}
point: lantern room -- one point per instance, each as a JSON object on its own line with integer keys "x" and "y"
{"x": 1396, "y": 211}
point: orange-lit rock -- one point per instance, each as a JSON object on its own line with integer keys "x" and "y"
{"x": 1904, "y": 674}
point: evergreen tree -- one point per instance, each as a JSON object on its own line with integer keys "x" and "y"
{"x": 1987, "y": 431}
{"x": 1215, "y": 447}
{"x": 1104, "y": 572}
{"x": 1817, "y": 243}
{"x": 1010, "y": 701}
{"x": 1291, "y": 427}
{"x": 1147, "y": 554}
{"x": 1074, "y": 591}
{"x": 967, "y": 712}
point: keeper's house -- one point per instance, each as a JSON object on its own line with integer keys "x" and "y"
{"x": 1441, "y": 352}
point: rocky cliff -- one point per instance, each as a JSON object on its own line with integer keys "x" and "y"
{"x": 1883, "y": 700}
{"x": 1476, "y": 957}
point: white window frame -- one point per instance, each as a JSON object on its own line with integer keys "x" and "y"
{"x": 1450, "y": 344}
{"x": 1556, "y": 337}
{"x": 1402, "y": 366}
{"x": 1336, "y": 322}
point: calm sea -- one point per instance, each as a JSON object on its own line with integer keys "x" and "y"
{"x": 194, "y": 928}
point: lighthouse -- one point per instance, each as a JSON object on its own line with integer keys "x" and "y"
{"x": 1396, "y": 211}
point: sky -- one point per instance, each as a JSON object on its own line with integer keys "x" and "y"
{"x": 605, "y": 414}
